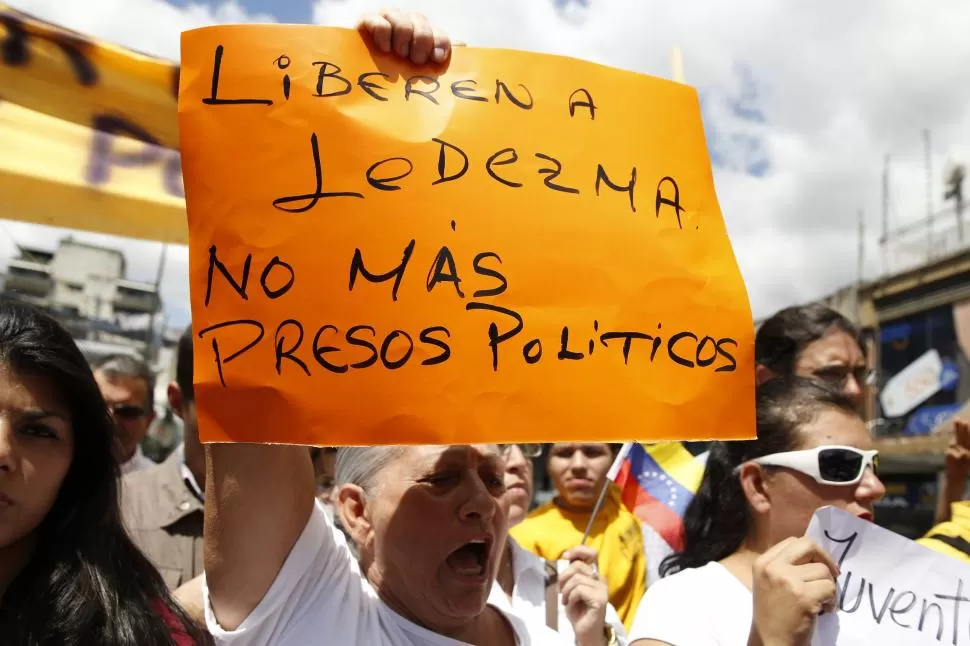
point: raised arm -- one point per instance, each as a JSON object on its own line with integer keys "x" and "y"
{"x": 259, "y": 497}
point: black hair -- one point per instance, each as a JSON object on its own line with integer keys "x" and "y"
{"x": 183, "y": 365}
{"x": 717, "y": 520}
{"x": 128, "y": 367}
{"x": 86, "y": 582}
{"x": 782, "y": 337}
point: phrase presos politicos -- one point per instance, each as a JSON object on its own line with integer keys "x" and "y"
{"x": 337, "y": 350}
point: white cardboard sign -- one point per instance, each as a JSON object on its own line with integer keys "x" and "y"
{"x": 892, "y": 591}
{"x": 913, "y": 385}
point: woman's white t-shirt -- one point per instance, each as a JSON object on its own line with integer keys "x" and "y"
{"x": 321, "y": 598}
{"x": 705, "y": 606}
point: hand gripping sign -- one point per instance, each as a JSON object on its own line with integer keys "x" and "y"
{"x": 515, "y": 247}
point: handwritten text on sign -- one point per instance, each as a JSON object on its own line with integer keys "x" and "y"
{"x": 519, "y": 247}
{"x": 892, "y": 591}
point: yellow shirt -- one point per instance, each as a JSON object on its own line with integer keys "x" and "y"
{"x": 957, "y": 530}
{"x": 616, "y": 535}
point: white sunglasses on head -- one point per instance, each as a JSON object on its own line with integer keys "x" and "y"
{"x": 833, "y": 465}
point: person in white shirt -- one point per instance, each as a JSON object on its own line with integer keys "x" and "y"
{"x": 429, "y": 523}
{"x": 747, "y": 575}
{"x": 523, "y": 584}
{"x": 137, "y": 462}
{"x": 128, "y": 387}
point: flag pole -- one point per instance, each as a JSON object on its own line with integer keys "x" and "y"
{"x": 596, "y": 510}
{"x": 677, "y": 64}
{"x": 610, "y": 477}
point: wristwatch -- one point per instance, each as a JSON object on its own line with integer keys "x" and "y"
{"x": 610, "y": 635}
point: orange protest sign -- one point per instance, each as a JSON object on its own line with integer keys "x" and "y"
{"x": 516, "y": 248}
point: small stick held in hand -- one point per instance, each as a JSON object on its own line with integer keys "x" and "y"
{"x": 610, "y": 477}
{"x": 596, "y": 510}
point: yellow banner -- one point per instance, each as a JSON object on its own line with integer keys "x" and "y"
{"x": 88, "y": 133}
{"x": 516, "y": 248}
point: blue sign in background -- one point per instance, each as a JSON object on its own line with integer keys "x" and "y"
{"x": 905, "y": 341}
{"x": 925, "y": 418}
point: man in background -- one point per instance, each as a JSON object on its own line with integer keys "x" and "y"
{"x": 163, "y": 505}
{"x": 128, "y": 388}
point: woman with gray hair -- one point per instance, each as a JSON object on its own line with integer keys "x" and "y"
{"x": 429, "y": 524}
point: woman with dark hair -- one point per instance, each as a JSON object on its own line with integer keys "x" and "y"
{"x": 747, "y": 575}
{"x": 69, "y": 574}
{"x": 812, "y": 341}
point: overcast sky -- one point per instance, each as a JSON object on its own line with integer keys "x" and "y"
{"x": 802, "y": 101}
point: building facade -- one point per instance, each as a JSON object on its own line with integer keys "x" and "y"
{"x": 86, "y": 288}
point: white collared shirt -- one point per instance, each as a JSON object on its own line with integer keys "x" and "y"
{"x": 136, "y": 462}
{"x": 186, "y": 472}
{"x": 529, "y": 594}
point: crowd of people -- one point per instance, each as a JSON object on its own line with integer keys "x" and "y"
{"x": 272, "y": 545}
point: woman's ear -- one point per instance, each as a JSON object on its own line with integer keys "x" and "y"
{"x": 752, "y": 478}
{"x": 351, "y": 505}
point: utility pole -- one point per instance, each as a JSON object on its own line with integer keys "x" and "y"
{"x": 150, "y": 334}
{"x": 929, "y": 193}
{"x": 860, "y": 268}
{"x": 954, "y": 191}
{"x": 884, "y": 240}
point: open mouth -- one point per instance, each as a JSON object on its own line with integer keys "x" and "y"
{"x": 471, "y": 559}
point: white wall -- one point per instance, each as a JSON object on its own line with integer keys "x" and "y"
{"x": 86, "y": 278}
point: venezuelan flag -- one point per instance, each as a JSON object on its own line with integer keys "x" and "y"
{"x": 657, "y": 482}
